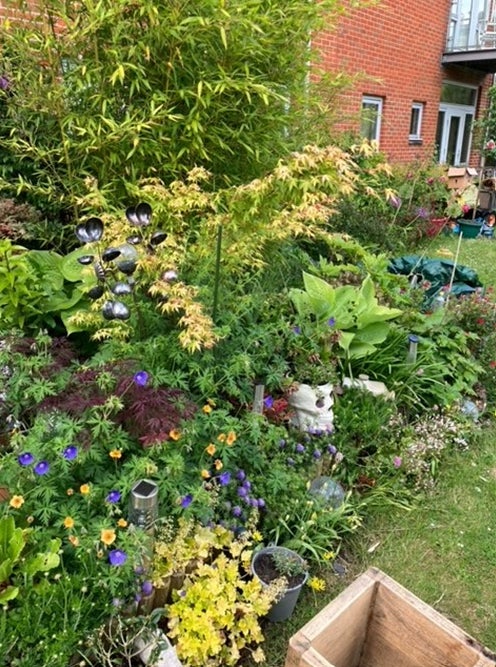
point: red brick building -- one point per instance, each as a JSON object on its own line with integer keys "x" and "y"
{"x": 426, "y": 66}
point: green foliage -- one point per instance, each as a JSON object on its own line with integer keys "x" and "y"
{"x": 353, "y": 312}
{"x": 15, "y": 563}
{"x": 393, "y": 203}
{"x": 90, "y": 107}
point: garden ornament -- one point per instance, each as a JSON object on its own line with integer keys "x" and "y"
{"x": 313, "y": 407}
{"x": 124, "y": 259}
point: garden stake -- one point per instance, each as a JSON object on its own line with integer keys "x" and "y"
{"x": 217, "y": 271}
{"x": 454, "y": 267}
{"x": 258, "y": 398}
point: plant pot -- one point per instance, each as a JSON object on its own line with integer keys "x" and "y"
{"x": 260, "y": 567}
{"x": 435, "y": 226}
{"x": 469, "y": 229}
{"x": 312, "y": 407}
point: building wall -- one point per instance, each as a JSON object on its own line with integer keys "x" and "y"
{"x": 395, "y": 47}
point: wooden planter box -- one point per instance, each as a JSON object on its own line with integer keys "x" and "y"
{"x": 376, "y": 622}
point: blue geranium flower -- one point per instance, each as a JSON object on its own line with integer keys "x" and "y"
{"x": 42, "y": 468}
{"x": 141, "y": 378}
{"x": 117, "y": 557}
{"x": 25, "y": 459}
{"x": 70, "y": 453}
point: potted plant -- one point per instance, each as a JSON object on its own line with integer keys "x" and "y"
{"x": 273, "y": 563}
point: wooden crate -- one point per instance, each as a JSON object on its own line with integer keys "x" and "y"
{"x": 376, "y": 622}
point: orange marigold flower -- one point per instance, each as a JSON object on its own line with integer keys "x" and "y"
{"x": 74, "y": 540}
{"x": 211, "y": 449}
{"x": 231, "y": 438}
{"x": 115, "y": 454}
{"x": 221, "y": 437}
{"x": 122, "y": 523}
{"x": 175, "y": 434}
{"x": 205, "y": 474}
{"x": 108, "y": 536}
{"x": 84, "y": 489}
{"x": 16, "y": 502}
{"x": 207, "y": 409}
{"x": 218, "y": 464}
{"x": 68, "y": 522}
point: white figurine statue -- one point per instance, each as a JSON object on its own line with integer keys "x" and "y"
{"x": 312, "y": 407}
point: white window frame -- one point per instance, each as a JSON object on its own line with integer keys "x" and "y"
{"x": 416, "y": 112}
{"x": 377, "y": 102}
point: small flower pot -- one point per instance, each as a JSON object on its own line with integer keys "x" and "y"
{"x": 264, "y": 569}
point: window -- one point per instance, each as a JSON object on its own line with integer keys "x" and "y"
{"x": 370, "y": 126}
{"x": 416, "y": 114}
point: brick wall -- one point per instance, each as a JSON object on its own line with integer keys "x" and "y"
{"x": 396, "y": 46}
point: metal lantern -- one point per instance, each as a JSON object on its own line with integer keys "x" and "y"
{"x": 143, "y": 504}
{"x": 411, "y": 355}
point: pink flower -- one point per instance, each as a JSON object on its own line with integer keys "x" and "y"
{"x": 397, "y": 461}
{"x": 491, "y": 145}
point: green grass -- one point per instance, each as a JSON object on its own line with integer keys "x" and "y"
{"x": 478, "y": 254}
{"x": 444, "y": 550}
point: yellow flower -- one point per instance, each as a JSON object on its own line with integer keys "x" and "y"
{"x": 221, "y": 437}
{"x": 16, "y": 502}
{"x": 218, "y": 464}
{"x": 174, "y": 434}
{"x": 115, "y": 454}
{"x": 84, "y": 489}
{"x": 205, "y": 474}
{"x": 74, "y": 540}
{"x": 122, "y": 523}
{"x": 211, "y": 449}
{"x": 68, "y": 522}
{"x": 329, "y": 555}
{"x": 317, "y": 584}
{"x": 231, "y": 438}
{"x": 107, "y": 536}
{"x": 257, "y": 536}
{"x": 207, "y": 409}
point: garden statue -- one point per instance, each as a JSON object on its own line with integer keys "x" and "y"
{"x": 313, "y": 407}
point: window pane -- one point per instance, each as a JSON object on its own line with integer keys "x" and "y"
{"x": 454, "y": 94}
{"x": 369, "y": 128}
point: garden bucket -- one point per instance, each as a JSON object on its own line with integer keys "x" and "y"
{"x": 469, "y": 228}
{"x": 282, "y": 609}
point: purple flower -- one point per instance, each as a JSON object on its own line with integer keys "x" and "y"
{"x": 186, "y": 500}
{"x": 70, "y": 453}
{"x": 242, "y": 492}
{"x": 397, "y": 461}
{"x": 139, "y": 569}
{"x": 117, "y": 557}
{"x": 317, "y": 454}
{"x": 331, "y": 321}
{"x": 261, "y": 502}
{"x": 247, "y": 484}
{"x": 394, "y": 202}
{"x": 224, "y": 478}
{"x": 236, "y": 510}
{"x": 25, "y": 459}
{"x": 299, "y": 448}
{"x": 4, "y": 83}
{"x": 422, "y": 213}
{"x": 141, "y": 378}
{"x": 268, "y": 402}
{"x": 241, "y": 475}
{"x": 282, "y": 444}
{"x": 297, "y": 330}
{"x": 42, "y": 468}
{"x": 254, "y": 502}
{"x": 147, "y": 588}
{"x": 113, "y": 497}
{"x": 332, "y": 450}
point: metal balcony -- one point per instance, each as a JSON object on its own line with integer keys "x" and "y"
{"x": 471, "y": 43}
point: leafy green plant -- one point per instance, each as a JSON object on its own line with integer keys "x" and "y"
{"x": 15, "y": 562}
{"x": 354, "y": 313}
{"x": 102, "y": 112}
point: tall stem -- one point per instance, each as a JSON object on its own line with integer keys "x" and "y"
{"x": 218, "y": 254}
